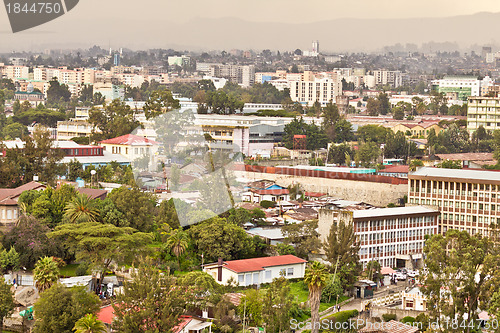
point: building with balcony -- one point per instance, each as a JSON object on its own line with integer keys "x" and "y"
{"x": 483, "y": 111}
{"x": 467, "y": 199}
{"x": 392, "y": 236}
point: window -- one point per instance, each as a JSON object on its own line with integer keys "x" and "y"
{"x": 241, "y": 278}
{"x": 268, "y": 275}
{"x": 282, "y": 272}
{"x": 290, "y": 271}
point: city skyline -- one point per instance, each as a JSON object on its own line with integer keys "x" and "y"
{"x": 225, "y": 25}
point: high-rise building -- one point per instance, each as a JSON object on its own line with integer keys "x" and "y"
{"x": 315, "y": 46}
{"x": 323, "y": 89}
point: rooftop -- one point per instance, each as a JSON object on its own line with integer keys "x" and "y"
{"x": 481, "y": 175}
{"x": 131, "y": 140}
{"x": 380, "y": 212}
{"x": 259, "y": 264}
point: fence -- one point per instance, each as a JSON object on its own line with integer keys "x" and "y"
{"x": 384, "y": 300}
{"x": 325, "y": 174}
{"x": 21, "y": 279}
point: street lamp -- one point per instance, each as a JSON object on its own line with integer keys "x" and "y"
{"x": 92, "y": 174}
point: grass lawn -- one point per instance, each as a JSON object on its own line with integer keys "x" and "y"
{"x": 300, "y": 291}
{"x": 68, "y": 270}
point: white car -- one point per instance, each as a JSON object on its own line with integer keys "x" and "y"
{"x": 400, "y": 276}
{"x": 412, "y": 274}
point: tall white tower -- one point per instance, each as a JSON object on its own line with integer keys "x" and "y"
{"x": 315, "y": 46}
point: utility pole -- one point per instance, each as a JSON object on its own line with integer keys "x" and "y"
{"x": 335, "y": 276}
{"x": 244, "y": 315}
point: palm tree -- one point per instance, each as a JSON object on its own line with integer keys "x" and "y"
{"x": 315, "y": 277}
{"x": 82, "y": 206}
{"x": 89, "y": 324}
{"x": 45, "y": 273}
{"x": 177, "y": 242}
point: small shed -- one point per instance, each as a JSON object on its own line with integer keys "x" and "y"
{"x": 364, "y": 289}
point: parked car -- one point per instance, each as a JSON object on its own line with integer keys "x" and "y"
{"x": 400, "y": 276}
{"x": 412, "y": 274}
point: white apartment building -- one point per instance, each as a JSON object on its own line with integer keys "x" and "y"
{"x": 459, "y": 86}
{"x": 323, "y": 90}
{"x": 392, "y": 236}
{"x": 392, "y": 78}
{"x": 16, "y": 72}
{"x": 483, "y": 111}
{"x": 469, "y": 200}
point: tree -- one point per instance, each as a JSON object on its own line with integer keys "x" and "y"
{"x": 59, "y": 308}
{"x": 216, "y": 238}
{"x": 136, "y": 206}
{"x": 29, "y": 239}
{"x": 343, "y": 130}
{"x": 373, "y": 271}
{"x": 315, "y": 278}
{"x": 150, "y": 302}
{"x": 89, "y": 324}
{"x": 177, "y": 243}
{"x": 338, "y": 154}
{"x": 277, "y": 302}
{"x": 113, "y": 120}
{"x": 7, "y": 304}
{"x": 15, "y": 130}
{"x": 384, "y": 104}
{"x": 251, "y": 307}
{"x": 18, "y": 166}
{"x": 399, "y": 113}
{"x": 374, "y": 133}
{"x": 468, "y": 265}
{"x": 331, "y": 116}
{"x": 167, "y": 214}
{"x": 159, "y": 102}
{"x": 46, "y": 273}
{"x": 101, "y": 244}
{"x": 342, "y": 247}
{"x": 57, "y": 92}
{"x": 81, "y": 209}
{"x": 368, "y": 152}
{"x": 303, "y": 236}
{"x": 373, "y": 107}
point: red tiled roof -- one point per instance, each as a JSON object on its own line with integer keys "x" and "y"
{"x": 271, "y": 192}
{"x": 130, "y": 139}
{"x": 184, "y": 321}
{"x": 106, "y": 314}
{"x": 396, "y": 169}
{"x": 93, "y": 193}
{"x": 258, "y": 264}
{"x": 15, "y": 192}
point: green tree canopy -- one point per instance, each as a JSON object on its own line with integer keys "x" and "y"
{"x": 113, "y": 120}
{"x": 59, "y": 308}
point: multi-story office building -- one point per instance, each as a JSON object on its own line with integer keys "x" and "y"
{"x": 323, "y": 90}
{"x": 467, "y": 199}
{"x": 392, "y": 236}
{"x": 458, "y": 87}
{"x": 483, "y": 111}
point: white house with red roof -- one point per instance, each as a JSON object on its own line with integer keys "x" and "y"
{"x": 131, "y": 146}
{"x": 256, "y": 271}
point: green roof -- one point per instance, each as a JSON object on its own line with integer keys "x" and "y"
{"x": 28, "y": 93}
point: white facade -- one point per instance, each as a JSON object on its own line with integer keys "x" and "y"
{"x": 322, "y": 90}
{"x": 293, "y": 271}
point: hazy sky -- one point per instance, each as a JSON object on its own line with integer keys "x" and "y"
{"x": 102, "y": 18}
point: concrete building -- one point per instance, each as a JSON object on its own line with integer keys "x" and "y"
{"x": 392, "y": 78}
{"x": 462, "y": 87}
{"x": 179, "y": 61}
{"x": 256, "y": 271}
{"x": 483, "y": 111}
{"x": 321, "y": 89}
{"x": 467, "y": 199}
{"x": 392, "y": 236}
{"x": 131, "y": 146}
{"x": 240, "y": 74}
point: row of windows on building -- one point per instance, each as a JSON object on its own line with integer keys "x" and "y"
{"x": 457, "y": 204}
{"x": 382, "y": 251}
{"x": 118, "y": 150}
{"x": 267, "y": 275}
{"x": 9, "y": 214}
{"x": 416, "y": 185}
{"x": 470, "y": 218}
{"x": 394, "y": 223}
{"x": 393, "y": 235}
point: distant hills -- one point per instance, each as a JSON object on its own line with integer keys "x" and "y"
{"x": 338, "y": 35}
